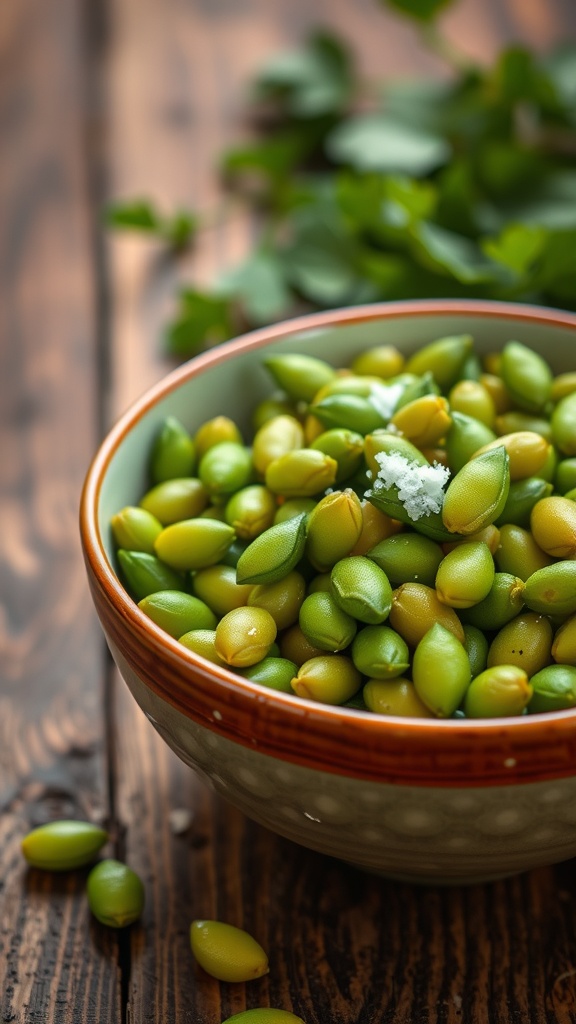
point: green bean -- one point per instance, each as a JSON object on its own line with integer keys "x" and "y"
{"x": 115, "y": 894}
{"x": 264, "y": 1015}
{"x": 441, "y": 671}
{"x": 244, "y": 636}
{"x": 173, "y": 453}
{"x": 554, "y": 688}
{"x": 502, "y": 690}
{"x": 275, "y": 673}
{"x": 328, "y": 678}
{"x": 63, "y": 845}
{"x": 526, "y": 375}
{"x": 300, "y": 376}
{"x": 361, "y": 589}
{"x": 333, "y": 528}
{"x": 325, "y": 624}
{"x": 177, "y": 612}
{"x": 389, "y": 532}
{"x": 226, "y": 952}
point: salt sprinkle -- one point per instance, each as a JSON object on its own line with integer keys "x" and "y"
{"x": 384, "y": 398}
{"x": 420, "y": 488}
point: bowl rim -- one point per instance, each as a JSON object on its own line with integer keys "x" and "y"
{"x": 408, "y": 751}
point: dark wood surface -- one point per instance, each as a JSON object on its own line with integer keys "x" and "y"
{"x": 138, "y": 97}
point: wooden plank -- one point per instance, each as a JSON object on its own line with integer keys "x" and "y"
{"x": 53, "y": 967}
{"x": 344, "y": 946}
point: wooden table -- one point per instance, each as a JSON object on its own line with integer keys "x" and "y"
{"x": 130, "y": 98}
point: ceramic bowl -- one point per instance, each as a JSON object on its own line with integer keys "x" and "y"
{"x": 414, "y": 799}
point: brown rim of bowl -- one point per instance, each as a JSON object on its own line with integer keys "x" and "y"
{"x": 487, "y": 752}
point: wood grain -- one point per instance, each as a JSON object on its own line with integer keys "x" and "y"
{"x": 51, "y": 723}
{"x": 80, "y": 333}
{"x": 344, "y": 946}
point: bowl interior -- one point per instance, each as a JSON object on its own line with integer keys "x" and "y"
{"x": 414, "y": 799}
{"x": 231, "y": 380}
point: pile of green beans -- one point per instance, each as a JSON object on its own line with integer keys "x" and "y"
{"x": 398, "y": 536}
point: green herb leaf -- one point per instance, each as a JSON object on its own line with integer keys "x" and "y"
{"x": 381, "y": 205}
{"x": 180, "y": 229}
{"x": 518, "y": 76}
{"x": 375, "y": 142}
{"x": 557, "y": 268}
{"x": 560, "y": 67}
{"x": 201, "y": 320}
{"x": 462, "y": 205}
{"x": 418, "y": 199}
{"x": 426, "y": 188}
{"x": 505, "y": 170}
{"x": 551, "y": 204}
{"x": 310, "y": 82}
{"x": 422, "y": 10}
{"x": 259, "y": 285}
{"x": 140, "y": 215}
{"x": 137, "y": 214}
{"x": 273, "y": 158}
{"x": 454, "y": 254}
{"x": 517, "y": 247}
{"x": 420, "y": 102}
{"x": 319, "y": 268}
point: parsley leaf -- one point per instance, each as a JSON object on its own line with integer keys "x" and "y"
{"x": 461, "y": 186}
{"x": 310, "y": 82}
{"x": 141, "y": 215}
{"x": 259, "y": 285}
{"x": 422, "y": 10}
{"x": 376, "y": 142}
{"x": 201, "y": 319}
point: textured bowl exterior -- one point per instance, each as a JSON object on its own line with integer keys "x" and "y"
{"x": 413, "y": 799}
{"x": 431, "y": 835}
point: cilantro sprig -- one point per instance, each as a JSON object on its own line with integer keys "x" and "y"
{"x": 404, "y": 189}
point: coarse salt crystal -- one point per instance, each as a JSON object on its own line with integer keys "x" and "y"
{"x": 384, "y": 398}
{"x": 420, "y": 488}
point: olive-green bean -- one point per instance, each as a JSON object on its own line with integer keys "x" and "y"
{"x": 115, "y": 893}
{"x": 396, "y": 535}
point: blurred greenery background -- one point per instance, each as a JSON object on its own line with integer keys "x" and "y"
{"x": 378, "y": 190}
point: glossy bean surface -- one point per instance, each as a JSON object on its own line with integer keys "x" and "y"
{"x": 394, "y": 535}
